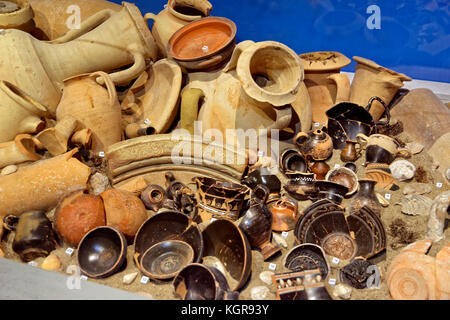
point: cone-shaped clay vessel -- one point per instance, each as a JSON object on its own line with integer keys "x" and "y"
{"x": 95, "y": 107}
{"x": 22, "y": 149}
{"x": 42, "y": 185}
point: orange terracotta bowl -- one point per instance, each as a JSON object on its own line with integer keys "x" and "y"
{"x": 203, "y": 44}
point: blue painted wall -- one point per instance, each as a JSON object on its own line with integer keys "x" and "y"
{"x": 414, "y": 37}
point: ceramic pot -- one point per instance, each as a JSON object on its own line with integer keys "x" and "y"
{"x": 284, "y": 213}
{"x": 257, "y": 223}
{"x": 21, "y": 114}
{"x": 292, "y": 161}
{"x": 301, "y": 186}
{"x": 22, "y": 149}
{"x": 153, "y": 197}
{"x": 199, "y": 282}
{"x": 102, "y": 252}
{"x": 78, "y": 214}
{"x": 16, "y": 14}
{"x": 345, "y": 177}
{"x": 94, "y": 106}
{"x": 52, "y": 18}
{"x": 315, "y": 144}
{"x": 225, "y": 240}
{"x": 332, "y": 191}
{"x": 326, "y": 85}
{"x": 40, "y": 186}
{"x": 34, "y": 236}
{"x": 46, "y": 65}
{"x": 320, "y": 169}
{"x": 124, "y": 211}
{"x": 373, "y": 80}
{"x": 227, "y": 106}
{"x": 381, "y": 148}
{"x": 351, "y": 151}
{"x": 177, "y": 14}
{"x": 366, "y": 197}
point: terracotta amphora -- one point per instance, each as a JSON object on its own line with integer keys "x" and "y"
{"x": 16, "y": 14}
{"x": 373, "y": 80}
{"x": 326, "y": 85}
{"x": 20, "y": 113}
{"x": 54, "y": 19}
{"x": 177, "y": 14}
{"x": 106, "y": 41}
{"x": 94, "y": 106}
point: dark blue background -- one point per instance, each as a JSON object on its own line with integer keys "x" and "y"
{"x": 414, "y": 37}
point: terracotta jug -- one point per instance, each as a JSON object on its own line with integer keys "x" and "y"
{"x": 22, "y": 149}
{"x": 16, "y": 14}
{"x": 373, "y": 80}
{"x": 326, "y": 85}
{"x": 177, "y": 14}
{"x": 94, "y": 106}
{"x": 20, "y": 113}
{"x": 53, "y": 18}
{"x": 106, "y": 41}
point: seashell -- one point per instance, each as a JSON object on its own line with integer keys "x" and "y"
{"x": 417, "y": 188}
{"x": 414, "y": 147}
{"x": 51, "y": 263}
{"x": 443, "y": 273}
{"x": 382, "y": 200}
{"x": 8, "y": 170}
{"x": 279, "y": 240}
{"x": 342, "y": 291}
{"x": 438, "y": 214}
{"x": 129, "y": 278}
{"x": 99, "y": 183}
{"x": 266, "y": 277}
{"x": 402, "y": 170}
{"x": 415, "y": 205}
{"x": 259, "y": 293}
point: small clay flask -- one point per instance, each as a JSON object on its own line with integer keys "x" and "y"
{"x": 350, "y": 153}
{"x": 257, "y": 223}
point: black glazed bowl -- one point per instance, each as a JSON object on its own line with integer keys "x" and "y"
{"x": 307, "y": 256}
{"x": 330, "y": 190}
{"x": 166, "y": 258}
{"x": 102, "y": 252}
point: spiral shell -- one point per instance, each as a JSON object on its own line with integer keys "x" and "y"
{"x": 415, "y": 205}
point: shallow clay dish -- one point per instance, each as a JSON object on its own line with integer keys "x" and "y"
{"x": 204, "y": 43}
{"x": 166, "y": 258}
{"x": 101, "y": 252}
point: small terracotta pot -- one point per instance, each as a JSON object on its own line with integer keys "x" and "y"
{"x": 320, "y": 169}
{"x": 102, "y": 252}
{"x": 204, "y": 44}
{"x": 124, "y": 211}
{"x": 77, "y": 214}
{"x": 284, "y": 213}
{"x": 351, "y": 151}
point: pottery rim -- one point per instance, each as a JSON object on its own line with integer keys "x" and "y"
{"x": 121, "y": 257}
{"x": 306, "y": 245}
{"x": 192, "y": 26}
{"x": 347, "y": 171}
{"x": 171, "y": 275}
{"x": 338, "y": 61}
{"x": 19, "y": 17}
{"x": 372, "y": 64}
{"x": 205, "y": 9}
{"x": 25, "y": 143}
{"x": 205, "y": 269}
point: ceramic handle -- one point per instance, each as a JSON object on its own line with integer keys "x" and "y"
{"x": 403, "y": 152}
{"x": 10, "y": 222}
{"x": 386, "y": 109}
{"x": 300, "y": 135}
{"x": 150, "y": 16}
{"x": 342, "y": 85}
{"x": 189, "y": 108}
{"x": 86, "y": 26}
{"x": 105, "y": 79}
{"x": 133, "y": 72}
{"x": 362, "y": 139}
{"x": 284, "y": 118}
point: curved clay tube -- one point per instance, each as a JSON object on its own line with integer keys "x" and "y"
{"x": 134, "y": 130}
{"x": 22, "y": 149}
{"x": 55, "y": 139}
{"x": 189, "y": 108}
{"x": 342, "y": 85}
{"x": 40, "y": 186}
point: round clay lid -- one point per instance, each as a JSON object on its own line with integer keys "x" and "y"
{"x": 374, "y": 65}
{"x": 324, "y": 60}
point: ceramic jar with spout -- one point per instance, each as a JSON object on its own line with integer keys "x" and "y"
{"x": 326, "y": 85}
{"x": 284, "y": 214}
{"x": 177, "y": 14}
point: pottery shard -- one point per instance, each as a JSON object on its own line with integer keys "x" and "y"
{"x": 129, "y": 278}
{"x": 382, "y": 200}
{"x": 8, "y": 170}
{"x": 51, "y": 263}
{"x": 342, "y": 291}
{"x": 279, "y": 240}
{"x": 259, "y": 293}
{"x": 124, "y": 210}
{"x": 266, "y": 277}
{"x": 415, "y": 205}
{"x": 417, "y": 188}
{"x": 414, "y": 147}
{"x": 99, "y": 183}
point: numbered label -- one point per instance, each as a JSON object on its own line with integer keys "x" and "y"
{"x": 70, "y": 251}
{"x": 284, "y": 234}
{"x": 83, "y": 277}
{"x": 387, "y": 196}
{"x": 335, "y": 260}
{"x": 213, "y": 219}
{"x": 144, "y": 280}
{"x": 332, "y": 282}
{"x": 272, "y": 266}
{"x": 260, "y": 154}
{"x": 147, "y": 121}
{"x": 101, "y": 154}
{"x": 205, "y": 49}
{"x": 316, "y": 124}
{"x": 32, "y": 263}
{"x": 439, "y": 184}
{"x": 337, "y": 166}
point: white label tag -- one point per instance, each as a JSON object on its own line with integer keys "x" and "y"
{"x": 439, "y": 185}
{"x": 317, "y": 124}
{"x": 387, "y": 196}
{"x": 101, "y": 154}
{"x": 144, "y": 280}
{"x": 332, "y": 282}
{"x": 337, "y": 166}
{"x": 284, "y": 234}
{"x": 260, "y": 153}
{"x": 272, "y": 266}
{"x": 83, "y": 277}
{"x": 70, "y": 251}
{"x": 33, "y": 263}
{"x": 147, "y": 121}
{"x": 335, "y": 260}
{"x": 213, "y": 219}
{"x": 205, "y": 49}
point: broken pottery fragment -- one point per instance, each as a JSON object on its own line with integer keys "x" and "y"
{"x": 415, "y": 205}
